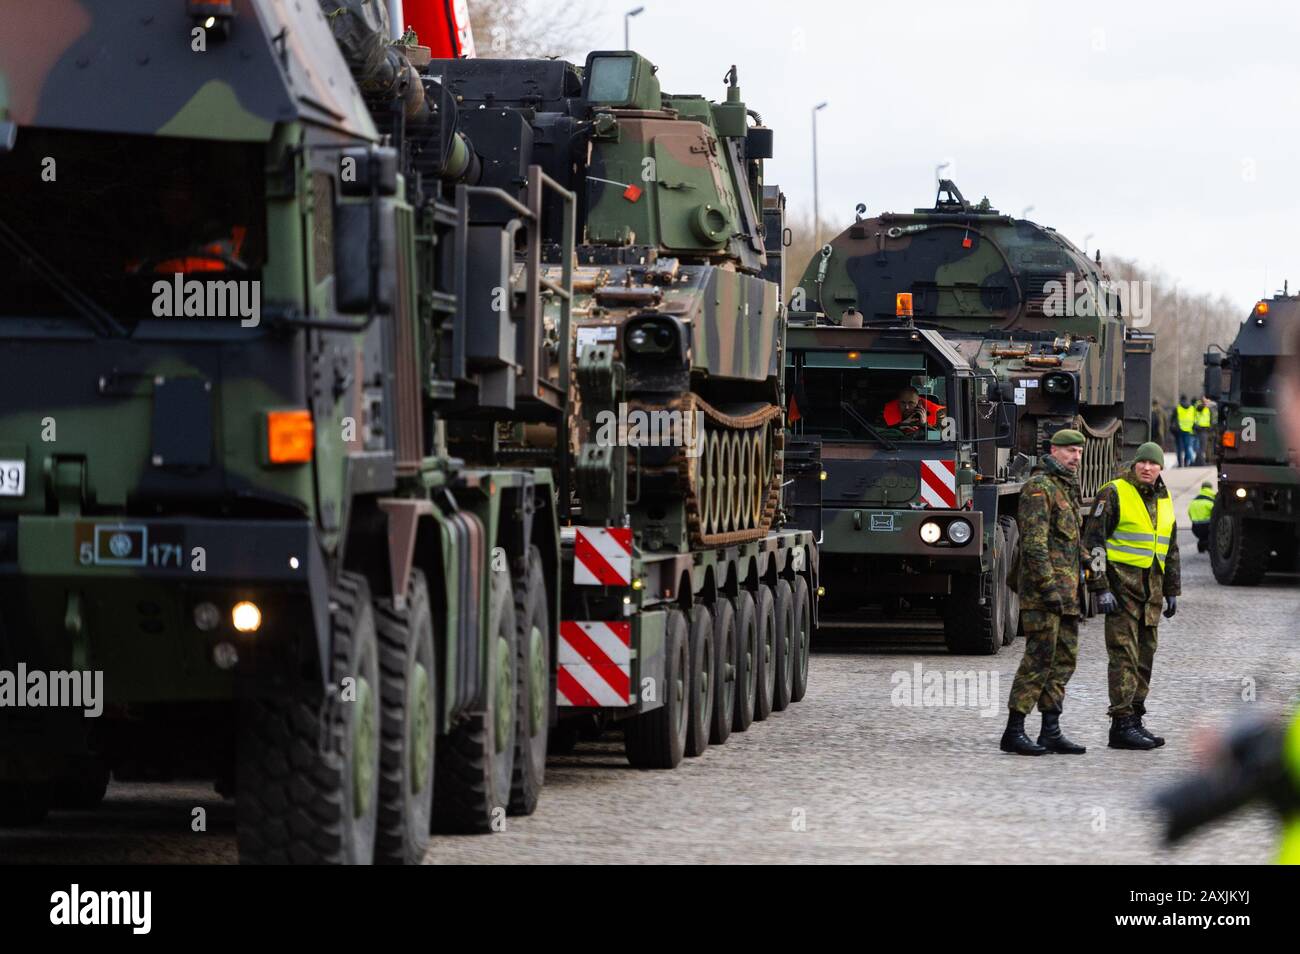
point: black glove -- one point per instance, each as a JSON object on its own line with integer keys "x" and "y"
{"x": 1171, "y": 606}
{"x": 1107, "y": 603}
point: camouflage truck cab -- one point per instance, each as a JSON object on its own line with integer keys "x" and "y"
{"x": 1255, "y": 524}
{"x": 910, "y": 515}
{"x": 246, "y": 276}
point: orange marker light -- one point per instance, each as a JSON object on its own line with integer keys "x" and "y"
{"x": 853, "y": 356}
{"x": 1229, "y": 438}
{"x": 290, "y": 437}
{"x": 1261, "y": 308}
{"x": 903, "y": 305}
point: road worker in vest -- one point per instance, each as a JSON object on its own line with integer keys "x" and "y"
{"x": 1199, "y": 511}
{"x": 1131, "y": 546}
{"x": 1186, "y": 416}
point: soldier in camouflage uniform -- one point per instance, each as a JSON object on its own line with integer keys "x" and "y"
{"x": 1049, "y": 598}
{"x": 1131, "y": 594}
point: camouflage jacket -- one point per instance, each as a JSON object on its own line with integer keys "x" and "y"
{"x": 1049, "y": 539}
{"x": 1132, "y": 585}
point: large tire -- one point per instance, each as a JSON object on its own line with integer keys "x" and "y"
{"x": 703, "y": 681}
{"x": 476, "y": 759}
{"x": 1240, "y": 548}
{"x": 410, "y": 726}
{"x": 657, "y": 739}
{"x": 23, "y": 803}
{"x": 785, "y": 636}
{"x": 724, "y": 693}
{"x": 974, "y": 614}
{"x": 1011, "y": 538}
{"x": 802, "y": 641}
{"x": 765, "y": 669}
{"x": 533, "y": 640}
{"x": 295, "y": 803}
{"x": 746, "y": 661}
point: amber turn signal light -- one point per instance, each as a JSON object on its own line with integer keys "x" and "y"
{"x": 290, "y": 437}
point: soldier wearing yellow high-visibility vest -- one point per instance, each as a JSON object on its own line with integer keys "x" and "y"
{"x": 1186, "y": 415}
{"x": 1199, "y": 512}
{"x": 1203, "y": 425}
{"x": 1132, "y": 545}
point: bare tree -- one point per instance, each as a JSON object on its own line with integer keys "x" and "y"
{"x": 514, "y": 29}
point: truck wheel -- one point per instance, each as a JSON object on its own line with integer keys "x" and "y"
{"x": 657, "y": 739}
{"x": 1011, "y": 539}
{"x": 476, "y": 759}
{"x": 294, "y": 803}
{"x": 969, "y": 626}
{"x": 533, "y": 620}
{"x": 724, "y": 693}
{"x": 746, "y": 661}
{"x": 765, "y": 670}
{"x": 802, "y": 639}
{"x": 409, "y": 722}
{"x": 23, "y": 803}
{"x": 785, "y": 632}
{"x": 703, "y": 681}
{"x": 83, "y": 791}
{"x": 1240, "y": 549}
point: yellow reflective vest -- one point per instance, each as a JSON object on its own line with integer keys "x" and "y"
{"x": 1201, "y": 507}
{"x": 1203, "y": 416}
{"x": 1289, "y": 853}
{"x": 1134, "y": 542}
{"x": 1186, "y": 418}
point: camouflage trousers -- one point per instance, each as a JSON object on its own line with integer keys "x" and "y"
{"x": 1051, "y": 652}
{"x": 1130, "y": 651}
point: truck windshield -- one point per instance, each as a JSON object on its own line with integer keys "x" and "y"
{"x": 112, "y": 214}
{"x": 1256, "y": 377}
{"x": 862, "y": 397}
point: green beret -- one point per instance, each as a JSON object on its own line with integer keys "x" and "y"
{"x": 1150, "y": 451}
{"x": 1067, "y": 437}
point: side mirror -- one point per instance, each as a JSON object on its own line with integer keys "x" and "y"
{"x": 1213, "y": 380}
{"x": 758, "y": 143}
{"x": 357, "y": 287}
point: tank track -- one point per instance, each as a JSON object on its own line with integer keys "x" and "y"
{"x": 733, "y": 485}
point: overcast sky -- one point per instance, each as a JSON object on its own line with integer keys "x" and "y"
{"x": 1166, "y": 130}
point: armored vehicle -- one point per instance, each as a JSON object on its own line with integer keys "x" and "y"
{"x": 930, "y": 358}
{"x": 294, "y": 395}
{"x": 681, "y": 580}
{"x": 1255, "y": 524}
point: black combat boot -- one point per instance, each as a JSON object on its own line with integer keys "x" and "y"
{"x": 1015, "y": 740}
{"x": 1124, "y": 734}
{"x": 1139, "y": 710}
{"x": 1052, "y": 739}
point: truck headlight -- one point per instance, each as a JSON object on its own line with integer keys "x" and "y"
{"x": 959, "y": 532}
{"x": 930, "y": 532}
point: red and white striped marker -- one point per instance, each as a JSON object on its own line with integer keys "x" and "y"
{"x": 594, "y": 667}
{"x": 602, "y": 557}
{"x": 939, "y": 483}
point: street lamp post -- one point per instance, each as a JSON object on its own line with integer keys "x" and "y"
{"x": 817, "y": 214}
{"x": 627, "y": 26}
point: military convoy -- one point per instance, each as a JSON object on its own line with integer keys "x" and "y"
{"x": 369, "y": 416}
{"x": 1000, "y": 332}
{"x": 1255, "y": 523}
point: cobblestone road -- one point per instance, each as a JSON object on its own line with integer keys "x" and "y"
{"x": 848, "y": 776}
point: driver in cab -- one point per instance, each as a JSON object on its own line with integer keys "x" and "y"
{"x": 910, "y": 413}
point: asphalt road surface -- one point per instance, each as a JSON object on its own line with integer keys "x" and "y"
{"x": 864, "y": 769}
